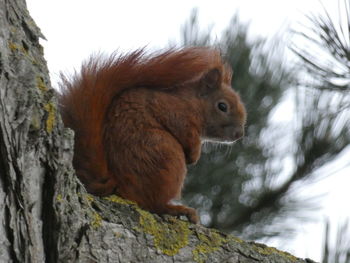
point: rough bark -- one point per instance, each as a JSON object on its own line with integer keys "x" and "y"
{"x": 45, "y": 213}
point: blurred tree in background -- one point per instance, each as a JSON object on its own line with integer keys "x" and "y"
{"x": 338, "y": 252}
{"x": 253, "y": 187}
{"x": 325, "y": 57}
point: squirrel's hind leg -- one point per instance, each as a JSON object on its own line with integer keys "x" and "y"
{"x": 98, "y": 186}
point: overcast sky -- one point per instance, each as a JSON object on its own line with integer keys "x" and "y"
{"x": 76, "y": 28}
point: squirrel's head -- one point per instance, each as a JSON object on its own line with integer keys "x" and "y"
{"x": 224, "y": 113}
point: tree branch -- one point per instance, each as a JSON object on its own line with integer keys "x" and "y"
{"x": 45, "y": 213}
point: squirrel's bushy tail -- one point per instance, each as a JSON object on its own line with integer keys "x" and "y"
{"x": 86, "y": 96}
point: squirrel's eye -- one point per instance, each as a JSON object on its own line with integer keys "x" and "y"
{"x": 222, "y": 106}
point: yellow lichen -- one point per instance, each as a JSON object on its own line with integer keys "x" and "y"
{"x": 208, "y": 243}
{"x": 35, "y": 120}
{"x": 13, "y": 46}
{"x": 168, "y": 237}
{"x": 89, "y": 198}
{"x": 265, "y": 250}
{"x": 22, "y": 50}
{"x": 235, "y": 239}
{"x": 59, "y": 198}
{"x": 41, "y": 84}
{"x": 97, "y": 220}
{"x": 118, "y": 235}
{"x": 50, "y": 121}
{"x": 119, "y": 200}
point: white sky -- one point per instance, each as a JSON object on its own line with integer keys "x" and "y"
{"x": 75, "y": 29}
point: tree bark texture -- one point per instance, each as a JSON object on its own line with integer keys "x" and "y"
{"x": 45, "y": 213}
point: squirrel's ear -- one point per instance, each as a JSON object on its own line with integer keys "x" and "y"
{"x": 210, "y": 81}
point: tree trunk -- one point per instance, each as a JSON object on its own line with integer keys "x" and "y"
{"x": 45, "y": 213}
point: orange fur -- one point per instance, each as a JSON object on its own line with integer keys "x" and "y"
{"x": 139, "y": 119}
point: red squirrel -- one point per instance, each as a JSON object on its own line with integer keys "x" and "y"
{"x": 140, "y": 118}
